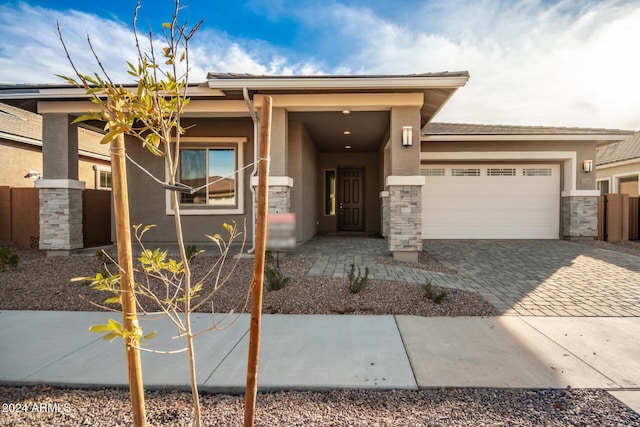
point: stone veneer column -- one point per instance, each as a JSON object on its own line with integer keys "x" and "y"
{"x": 60, "y": 215}
{"x": 279, "y": 193}
{"x": 579, "y": 217}
{"x": 384, "y": 197}
{"x": 405, "y": 216}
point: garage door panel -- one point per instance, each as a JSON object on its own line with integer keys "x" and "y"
{"x": 504, "y": 201}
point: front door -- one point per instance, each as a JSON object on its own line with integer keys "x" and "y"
{"x": 350, "y": 199}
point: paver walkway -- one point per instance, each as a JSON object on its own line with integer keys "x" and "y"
{"x": 520, "y": 277}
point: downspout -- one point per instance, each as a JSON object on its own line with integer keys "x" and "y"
{"x": 245, "y": 94}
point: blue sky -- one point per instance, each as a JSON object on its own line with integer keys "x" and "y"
{"x": 533, "y": 62}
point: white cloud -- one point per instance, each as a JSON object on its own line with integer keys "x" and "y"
{"x": 568, "y": 63}
{"x": 529, "y": 63}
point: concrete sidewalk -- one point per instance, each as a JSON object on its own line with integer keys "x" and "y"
{"x": 315, "y": 352}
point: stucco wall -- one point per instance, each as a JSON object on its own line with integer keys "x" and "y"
{"x": 147, "y": 198}
{"x": 18, "y": 159}
{"x": 585, "y": 150}
{"x": 303, "y": 160}
{"x": 372, "y": 188}
{"x": 611, "y": 172}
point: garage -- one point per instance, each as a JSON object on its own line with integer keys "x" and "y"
{"x": 491, "y": 201}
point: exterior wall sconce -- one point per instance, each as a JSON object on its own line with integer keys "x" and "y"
{"x": 587, "y": 166}
{"x": 407, "y": 136}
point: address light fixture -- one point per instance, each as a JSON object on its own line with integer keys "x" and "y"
{"x": 587, "y": 166}
{"x": 407, "y": 136}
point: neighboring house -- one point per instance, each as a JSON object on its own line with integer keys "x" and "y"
{"x": 348, "y": 154}
{"x": 21, "y": 151}
{"x": 618, "y": 167}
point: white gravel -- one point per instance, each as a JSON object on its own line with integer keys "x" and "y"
{"x": 434, "y": 407}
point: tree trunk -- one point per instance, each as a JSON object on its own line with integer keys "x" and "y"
{"x": 258, "y": 263}
{"x": 125, "y": 261}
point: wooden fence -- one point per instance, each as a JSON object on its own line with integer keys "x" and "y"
{"x": 20, "y": 217}
{"x": 618, "y": 217}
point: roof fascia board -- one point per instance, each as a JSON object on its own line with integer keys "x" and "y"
{"x": 20, "y": 139}
{"x": 339, "y": 101}
{"x": 79, "y": 93}
{"x": 313, "y": 83}
{"x": 526, "y": 137}
{"x": 618, "y": 163}
{"x": 194, "y": 107}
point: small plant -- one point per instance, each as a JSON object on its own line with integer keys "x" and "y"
{"x": 432, "y": 294}
{"x": 7, "y": 258}
{"x": 191, "y": 251}
{"x": 105, "y": 256}
{"x": 275, "y": 279}
{"x": 357, "y": 283}
{"x": 268, "y": 256}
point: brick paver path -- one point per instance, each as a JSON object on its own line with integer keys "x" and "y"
{"x": 519, "y": 277}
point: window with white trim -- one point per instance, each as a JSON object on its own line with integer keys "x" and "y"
{"x": 102, "y": 178}
{"x": 209, "y": 164}
{"x": 212, "y": 170}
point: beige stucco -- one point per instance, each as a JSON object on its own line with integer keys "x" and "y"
{"x": 303, "y": 161}
{"x": 615, "y": 171}
{"x": 18, "y": 159}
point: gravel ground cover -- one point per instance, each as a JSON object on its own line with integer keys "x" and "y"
{"x": 432, "y": 407}
{"x": 41, "y": 283}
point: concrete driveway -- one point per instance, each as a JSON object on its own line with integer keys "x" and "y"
{"x": 519, "y": 277}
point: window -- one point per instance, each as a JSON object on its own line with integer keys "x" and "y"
{"x": 209, "y": 165}
{"x": 465, "y": 172}
{"x": 432, "y": 172}
{"x": 501, "y": 172}
{"x": 329, "y": 192}
{"x": 536, "y": 172}
{"x": 103, "y": 177}
{"x": 211, "y": 170}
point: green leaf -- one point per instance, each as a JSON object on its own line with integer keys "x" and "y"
{"x": 150, "y": 335}
{"x": 111, "y": 336}
{"x": 85, "y": 117}
{"x": 113, "y": 300}
{"x": 110, "y": 136}
{"x": 166, "y": 25}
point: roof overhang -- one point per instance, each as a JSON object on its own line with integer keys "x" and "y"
{"x": 600, "y": 139}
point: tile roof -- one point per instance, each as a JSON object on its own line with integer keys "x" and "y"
{"x": 473, "y": 129}
{"x": 619, "y": 151}
{"x": 213, "y": 75}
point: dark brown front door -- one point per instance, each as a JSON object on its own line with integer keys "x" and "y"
{"x": 350, "y": 200}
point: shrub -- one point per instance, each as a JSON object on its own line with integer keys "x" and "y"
{"x": 7, "y": 258}
{"x": 105, "y": 256}
{"x": 357, "y": 283}
{"x": 432, "y": 294}
{"x": 191, "y": 252}
{"x": 275, "y": 279}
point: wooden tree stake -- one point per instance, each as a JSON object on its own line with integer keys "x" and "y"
{"x": 125, "y": 261}
{"x": 258, "y": 263}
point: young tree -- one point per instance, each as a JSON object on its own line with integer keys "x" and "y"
{"x": 151, "y": 112}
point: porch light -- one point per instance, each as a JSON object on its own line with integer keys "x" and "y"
{"x": 347, "y": 147}
{"x": 347, "y": 132}
{"x": 407, "y": 136}
{"x": 587, "y": 166}
{"x": 345, "y": 112}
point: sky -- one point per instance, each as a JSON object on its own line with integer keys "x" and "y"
{"x": 532, "y": 62}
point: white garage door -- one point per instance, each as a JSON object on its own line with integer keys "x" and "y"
{"x": 491, "y": 201}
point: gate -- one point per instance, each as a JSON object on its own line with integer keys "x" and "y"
{"x": 96, "y": 217}
{"x": 617, "y": 217}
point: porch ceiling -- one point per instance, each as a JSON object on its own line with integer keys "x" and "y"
{"x": 326, "y": 128}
